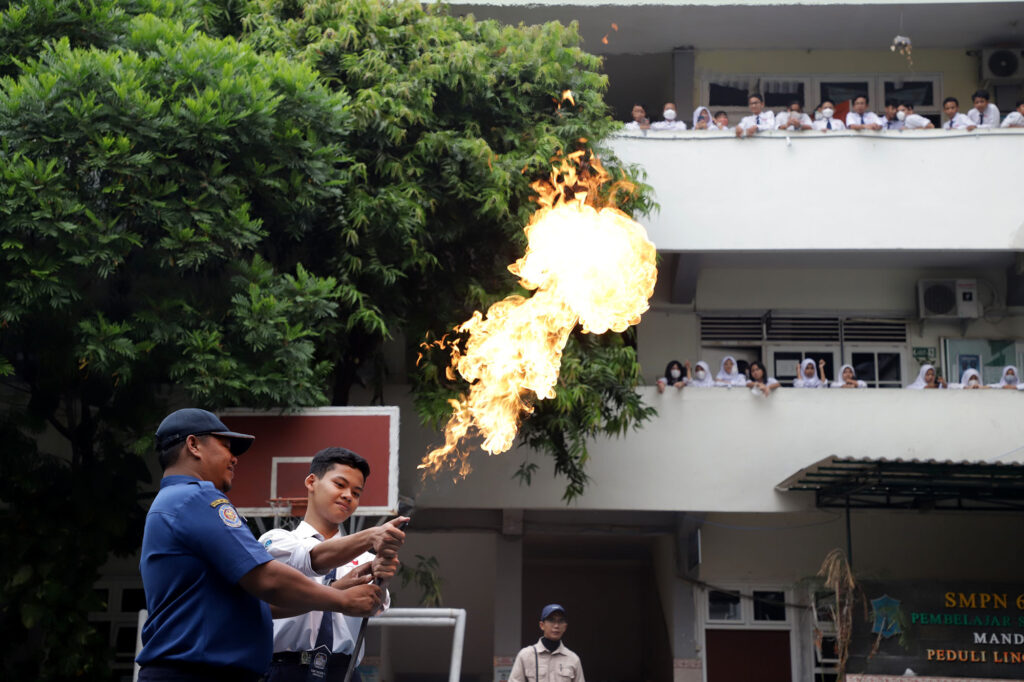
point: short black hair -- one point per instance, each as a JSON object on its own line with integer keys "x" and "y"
{"x": 720, "y": 112}
{"x": 907, "y": 103}
{"x": 757, "y": 95}
{"x": 891, "y": 102}
{"x": 170, "y": 454}
{"x": 858, "y": 96}
{"x": 980, "y": 93}
{"x": 826, "y": 100}
{"x": 324, "y": 460}
{"x": 954, "y": 100}
{"x": 796, "y": 101}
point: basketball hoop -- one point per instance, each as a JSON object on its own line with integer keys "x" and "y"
{"x": 289, "y": 506}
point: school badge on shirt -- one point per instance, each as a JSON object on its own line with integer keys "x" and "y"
{"x": 229, "y": 516}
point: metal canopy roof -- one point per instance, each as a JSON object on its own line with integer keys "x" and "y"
{"x": 869, "y": 483}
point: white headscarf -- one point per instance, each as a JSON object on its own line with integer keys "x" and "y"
{"x": 839, "y": 383}
{"x": 1002, "y": 379}
{"x": 802, "y": 381}
{"x": 733, "y": 378}
{"x": 965, "y": 378}
{"x": 919, "y": 382}
{"x": 696, "y": 117}
{"x": 707, "y": 381}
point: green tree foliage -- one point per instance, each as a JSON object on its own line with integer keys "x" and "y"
{"x": 241, "y": 203}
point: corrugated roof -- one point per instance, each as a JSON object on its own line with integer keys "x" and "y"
{"x": 881, "y": 482}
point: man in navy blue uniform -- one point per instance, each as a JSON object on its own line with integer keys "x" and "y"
{"x": 208, "y": 582}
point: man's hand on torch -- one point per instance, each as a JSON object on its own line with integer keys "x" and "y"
{"x": 388, "y": 536}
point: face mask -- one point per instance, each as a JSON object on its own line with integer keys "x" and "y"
{"x": 901, "y": 115}
{"x": 670, "y": 114}
{"x": 700, "y": 374}
{"x": 1011, "y": 380}
{"x": 675, "y": 374}
{"x": 817, "y": 115}
{"x": 827, "y": 113}
{"x": 972, "y": 382}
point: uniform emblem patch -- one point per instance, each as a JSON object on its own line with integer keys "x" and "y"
{"x": 229, "y": 516}
{"x": 219, "y": 501}
{"x": 268, "y": 543}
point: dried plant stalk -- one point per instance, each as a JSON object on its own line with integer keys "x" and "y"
{"x": 839, "y": 578}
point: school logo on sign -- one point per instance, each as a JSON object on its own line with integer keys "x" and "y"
{"x": 887, "y": 616}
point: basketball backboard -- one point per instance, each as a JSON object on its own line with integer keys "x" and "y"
{"x": 277, "y": 464}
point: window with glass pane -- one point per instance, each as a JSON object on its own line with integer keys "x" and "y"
{"x": 728, "y": 94}
{"x": 878, "y": 369}
{"x": 921, "y": 93}
{"x": 769, "y": 605}
{"x": 781, "y": 93}
{"x": 724, "y": 606}
{"x": 840, "y": 91}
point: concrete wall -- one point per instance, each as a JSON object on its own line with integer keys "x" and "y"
{"x": 718, "y": 193}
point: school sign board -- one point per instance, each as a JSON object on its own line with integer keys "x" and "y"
{"x": 949, "y": 630}
{"x": 276, "y": 465}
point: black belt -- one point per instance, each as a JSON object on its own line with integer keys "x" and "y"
{"x": 186, "y": 670}
{"x": 303, "y": 658}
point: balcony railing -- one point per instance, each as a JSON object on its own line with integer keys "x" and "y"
{"x": 859, "y": 191}
{"x": 726, "y": 449}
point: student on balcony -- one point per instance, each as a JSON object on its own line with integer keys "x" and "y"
{"x": 957, "y": 121}
{"x": 669, "y": 119}
{"x": 826, "y": 122}
{"x": 760, "y": 382}
{"x": 1010, "y": 380}
{"x": 793, "y": 118}
{"x": 702, "y": 119}
{"x": 984, "y": 114}
{"x": 729, "y": 375}
{"x": 970, "y": 380}
{"x": 640, "y": 120}
{"x": 673, "y": 376}
{"x": 860, "y": 118}
{"x": 927, "y": 377}
{"x": 759, "y": 119}
{"x": 721, "y": 121}
{"x": 847, "y": 378}
{"x": 807, "y": 378}
{"x": 1015, "y": 119}
{"x": 701, "y": 376}
{"x": 912, "y": 121}
{"x": 890, "y": 121}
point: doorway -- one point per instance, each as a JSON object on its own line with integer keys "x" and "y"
{"x": 744, "y": 655}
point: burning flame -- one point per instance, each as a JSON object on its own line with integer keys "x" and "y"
{"x": 588, "y": 264}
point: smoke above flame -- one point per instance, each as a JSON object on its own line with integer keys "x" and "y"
{"x": 587, "y": 263}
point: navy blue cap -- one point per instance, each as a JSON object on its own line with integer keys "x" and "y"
{"x": 549, "y": 609}
{"x": 191, "y": 421}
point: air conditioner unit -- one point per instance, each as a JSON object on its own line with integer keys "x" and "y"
{"x": 1002, "y": 64}
{"x": 948, "y": 298}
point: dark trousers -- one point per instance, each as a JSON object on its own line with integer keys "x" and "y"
{"x": 296, "y": 672}
{"x": 194, "y": 672}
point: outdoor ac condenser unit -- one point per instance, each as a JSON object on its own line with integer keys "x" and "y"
{"x": 1002, "y": 64}
{"x": 948, "y": 298}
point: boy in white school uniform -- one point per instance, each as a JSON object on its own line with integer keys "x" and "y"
{"x": 793, "y": 118}
{"x": 957, "y": 121}
{"x": 1015, "y": 119}
{"x": 889, "y": 120}
{"x": 984, "y": 114}
{"x": 860, "y": 118}
{"x": 759, "y": 119}
{"x": 668, "y": 119}
{"x": 912, "y": 121}
{"x": 826, "y": 122}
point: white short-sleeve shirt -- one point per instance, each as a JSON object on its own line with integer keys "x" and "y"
{"x": 823, "y": 124}
{"x": 868, "y": 118}
{"x": 299, "y": 632}
{"x": 763, "y": 121}
{"x": 990, "y": 119}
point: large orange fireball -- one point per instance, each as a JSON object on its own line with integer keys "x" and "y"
{"x": 588, "y": 264}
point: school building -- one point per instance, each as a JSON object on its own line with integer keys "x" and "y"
{"x": 692, "y": 555}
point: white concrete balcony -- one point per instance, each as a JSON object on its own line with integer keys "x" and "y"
{"x": 924, "y": 190}
{"x": 726, "y": 450}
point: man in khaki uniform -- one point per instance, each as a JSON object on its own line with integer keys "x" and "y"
{"x": 548, "y": 660}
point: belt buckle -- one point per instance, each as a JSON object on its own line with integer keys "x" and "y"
{"x": 306, "y": 657}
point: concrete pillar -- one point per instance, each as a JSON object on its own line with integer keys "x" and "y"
{"x": 673, "y": 564}
{"x": 508, "y": 593}
{"x": 684, "y": 77}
